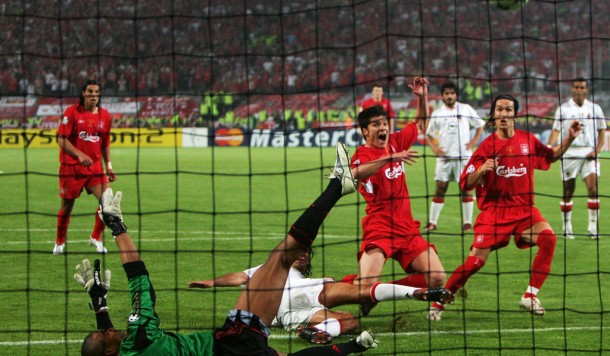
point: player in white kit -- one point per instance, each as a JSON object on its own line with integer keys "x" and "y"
{"x": 448, "y": 136}
{"x": 581, "y": 157}
{"x": 306, "y": 303}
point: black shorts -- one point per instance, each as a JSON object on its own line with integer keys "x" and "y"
{"x": 238, "y": 338}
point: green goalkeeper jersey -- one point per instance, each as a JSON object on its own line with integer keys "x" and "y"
{"x": 145, "y": 336}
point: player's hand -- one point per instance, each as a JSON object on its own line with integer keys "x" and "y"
{"x": 111, "y": 175}
{"x": 84, "y": 159}
{"x": 208, "y": 283}
{"x": 439, "y": 152}
{"x": 488, "y": 166}
{"x": 111, "y": 212}
{"x": 470, "y": 145}
{"x": 440, "y": 295}
{"x": 92, "y": 281}
{"x": 405, "y": 156}
{"x": 420, "y": 86}
{"x": 575, "y": 129}
{"x": 591, "y": 156}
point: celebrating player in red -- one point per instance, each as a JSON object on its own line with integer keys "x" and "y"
{"x": 388, "y": 229}
{"x": 84, "y": 139}
{"x": 502, "y": 171}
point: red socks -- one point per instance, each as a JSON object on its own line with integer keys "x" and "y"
{"x": 63, "y": 220}
{"x": 413, "y": 280}
{"x": 542, "y": 262}
{"x": 98, "y": 228}
{"x": 460, "y": 276}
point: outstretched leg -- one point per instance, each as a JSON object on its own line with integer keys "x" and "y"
{"x": 264, "y": 291}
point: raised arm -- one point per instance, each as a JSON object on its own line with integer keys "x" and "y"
{"x": 420, "y": 88}
{"x": 97, "y": 286}
{"x": 113, "y": 218}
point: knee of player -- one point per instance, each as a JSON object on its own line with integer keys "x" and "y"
{"x": 546, "y": 239}
{"x": 437, "y": 279}
{"x": 349, "y": 324}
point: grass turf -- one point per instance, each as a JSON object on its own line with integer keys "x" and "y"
{"x": 197, "y": 213}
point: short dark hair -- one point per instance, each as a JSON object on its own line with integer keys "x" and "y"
{"x": 365, "y": 116}
{"x": 92, "y": 346}
{"x": 449, "y": 85}
{"x": 376, "y": 85}
{"x": 580, "y": 79}
{"x": 491, "y": 119}
{"x": 87, "y": 83}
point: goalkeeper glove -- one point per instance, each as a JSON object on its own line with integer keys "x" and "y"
{"x": 110, "y": 212}
{"x": 92, "y": 281}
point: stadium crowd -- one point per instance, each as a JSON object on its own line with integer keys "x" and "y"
{"x": 144, "y": 49}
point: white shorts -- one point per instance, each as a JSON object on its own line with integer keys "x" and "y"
{"x": 300, "y": 307}
{"x": 571, "y": 167}
{"x": 449, "y": 169}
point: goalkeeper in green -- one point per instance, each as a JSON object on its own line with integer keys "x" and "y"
{"x": 245, "y": 331}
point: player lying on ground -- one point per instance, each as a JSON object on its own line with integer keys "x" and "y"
{"x": 306, "y": 301}
{"x": 245, "y": 330}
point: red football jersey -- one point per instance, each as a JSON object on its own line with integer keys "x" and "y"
{"x": 387, "y": 106}
{"x": 386, "y": 192}
{"x": 512, "y": 183}
{"x": 88, "y": 132}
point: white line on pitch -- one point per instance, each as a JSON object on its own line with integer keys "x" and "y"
{"x": 218, "y": 236}
{"x": 403, "y": 334}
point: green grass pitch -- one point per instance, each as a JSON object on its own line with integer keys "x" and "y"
{"x": 200, "y": 212}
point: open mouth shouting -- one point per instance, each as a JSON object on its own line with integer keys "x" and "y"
{"x": 382, "y": 138}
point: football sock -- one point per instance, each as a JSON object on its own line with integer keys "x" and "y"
{"x": 593, "y": 205}
{"x": 542, "y": 262}
{"x": 531, "y": 291}
{"x": 331, "y": 325}
{"x": 435, "y": 209}
{"x": 98, "y": 228}
{"x": 307, "y": 225}
{"x": 63, "y": 220}
{"x": 386, "y": 291}
{"x": 349, "y": 279}
{"x": 460, "y": 276}
{"x": 413, "y": 280}
{"x": 467, "y": 207}
{"x": 566, "y": 210}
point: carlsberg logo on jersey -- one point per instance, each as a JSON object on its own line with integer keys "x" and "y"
{"x": 87, "y": 137}
{"x": 394, "y": 172}
{"x": 505, "y": 172}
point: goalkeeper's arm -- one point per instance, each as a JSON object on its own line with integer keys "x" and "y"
{"x": 113, "y": 218}
{"x": 97, "y": 286}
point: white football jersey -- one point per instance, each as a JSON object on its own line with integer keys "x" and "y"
{"x": 452, "y": 128}
{"x": 589, "y": 114}
{"x": 295, "y": 279}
